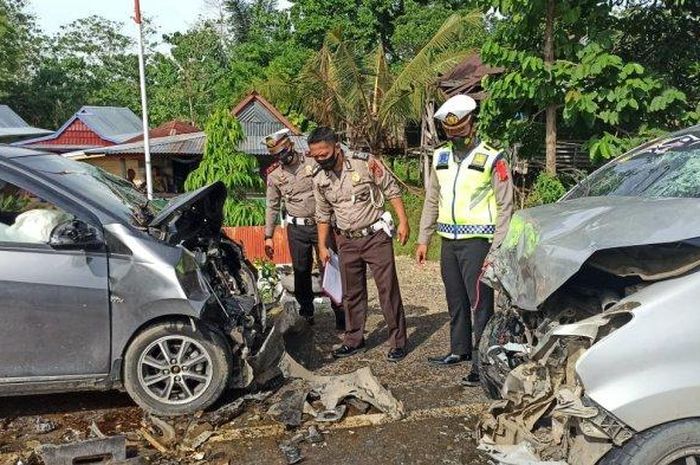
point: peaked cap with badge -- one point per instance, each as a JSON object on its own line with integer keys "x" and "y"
{"x": 454, "y": 113}
{"x": 276, "y": 141}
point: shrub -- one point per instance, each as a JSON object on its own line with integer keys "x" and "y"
{"x": 546, "y": 189}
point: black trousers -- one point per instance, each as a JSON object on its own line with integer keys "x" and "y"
{"x": 460, "y": 264}
{"x": 302, "y": 241}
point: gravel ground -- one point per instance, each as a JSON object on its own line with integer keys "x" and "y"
{"x": 438, "y": 427}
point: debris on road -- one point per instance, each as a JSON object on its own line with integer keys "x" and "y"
{"x": 43, "y": 426}
{"x": 331, "y": 390}
{"x": 291, "y": 452}
{"x": 108, "y": 449}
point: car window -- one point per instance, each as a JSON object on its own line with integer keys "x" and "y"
{"x": 26, "y": 218}
{"x": 668, "y": 169}
{"x": 115, "y": 194}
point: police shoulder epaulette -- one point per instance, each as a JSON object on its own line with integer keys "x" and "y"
{"x": 441, "y": 145}
{"x": 360, "y": 156}
{"x": 272, "y": 168}
{"x": 317, "y": 169}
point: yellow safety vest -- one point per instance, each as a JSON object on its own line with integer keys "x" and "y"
{"x": 467, "y": 202}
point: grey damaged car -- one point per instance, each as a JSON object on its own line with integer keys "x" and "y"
{"x": 593, "y": 348}
{"x": 101, "y": 289}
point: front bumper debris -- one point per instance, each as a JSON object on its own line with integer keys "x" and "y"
{"x": 545, "y": 418}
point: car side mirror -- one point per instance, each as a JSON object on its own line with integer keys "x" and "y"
{"x": 76, "y": 234}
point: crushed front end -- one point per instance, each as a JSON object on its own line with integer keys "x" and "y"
{"x": 545, "y": 416}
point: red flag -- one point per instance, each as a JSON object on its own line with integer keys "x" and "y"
{"x": 137, "y": 11}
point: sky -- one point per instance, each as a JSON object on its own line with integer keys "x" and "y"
{"x": 168, "y": 15}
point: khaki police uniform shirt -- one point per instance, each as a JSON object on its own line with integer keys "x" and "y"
{"x": 356, "y": 196}
{"x": 293, "y": 183}
{"x": 503, "y": 191}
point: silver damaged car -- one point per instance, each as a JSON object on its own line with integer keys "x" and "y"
{"x": 102, "y": 289}
{"x": 594, "y": 350}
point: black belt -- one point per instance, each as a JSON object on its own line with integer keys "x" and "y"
{"x": 300, "y": 221}
{"x": 358, "y": 233}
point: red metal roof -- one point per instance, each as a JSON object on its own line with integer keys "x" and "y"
{"x": 171, "y": 128}
{"x": 77, "y": 134}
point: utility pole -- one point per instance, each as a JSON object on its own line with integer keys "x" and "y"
{"x": 144, "y": 101}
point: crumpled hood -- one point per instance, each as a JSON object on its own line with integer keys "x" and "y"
{"x": 547, "y": 245}
{"x": 190, "y": 214}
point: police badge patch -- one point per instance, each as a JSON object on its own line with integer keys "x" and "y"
{"x": 478, "y": 162}
{"x": 443, "y": 160}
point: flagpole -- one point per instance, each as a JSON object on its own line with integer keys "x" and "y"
{"x": 144, "y": 102}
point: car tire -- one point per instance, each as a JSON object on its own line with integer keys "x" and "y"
{"x": 491, "y": 376}
{"x": 200, "y": 374}
{"x": 663, "y": 445}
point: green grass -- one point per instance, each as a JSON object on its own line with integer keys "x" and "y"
{"x": 414, "y": 206}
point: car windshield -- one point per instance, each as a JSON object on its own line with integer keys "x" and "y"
{"x": 115, "y": 194}
{"x": 668, "y": 169}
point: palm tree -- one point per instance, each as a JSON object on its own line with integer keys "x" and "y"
{"x": 359, "y": 95}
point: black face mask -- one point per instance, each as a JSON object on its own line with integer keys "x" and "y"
{"x": 286, "y": 156}
{"x": 328, "y": 163}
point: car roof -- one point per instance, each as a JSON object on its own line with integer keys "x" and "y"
{"x": 9, "y": 152}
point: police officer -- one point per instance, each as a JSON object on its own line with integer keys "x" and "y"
{"x": 290, "y": 178}
{"x": 354, "y": 185}
{"x": 469, "y": 202}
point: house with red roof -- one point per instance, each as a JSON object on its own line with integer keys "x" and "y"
{"x": 90, "y": 127}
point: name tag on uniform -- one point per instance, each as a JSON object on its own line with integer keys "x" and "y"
{"x": 443, "y": 161}
{"x": 479, "y": 162}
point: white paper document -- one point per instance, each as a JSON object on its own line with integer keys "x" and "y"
{"x": 332, "y": 284}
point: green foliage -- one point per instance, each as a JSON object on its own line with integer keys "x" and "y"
{"x": 408, "y": 170}
{"x": 267, "y": 279}
{"x": 341, "y": 86}
{"x": 414, "y": 207}
{"x": 546, "y": 189}
{"x": 237, "y": 170}
{"x": 602, "y": 95}
{"x": 266, "y": 269}
{"x": 12, "y": 203}
{"x": 189, "y": 82}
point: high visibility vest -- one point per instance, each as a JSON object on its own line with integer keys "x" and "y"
{"x": 467, "y": 205}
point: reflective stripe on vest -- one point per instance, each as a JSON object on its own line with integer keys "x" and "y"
{"x": 467, "y": 202}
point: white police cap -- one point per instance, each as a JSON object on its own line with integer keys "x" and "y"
{"x": 455, "y": 109}
{"x": 272, "y": 141}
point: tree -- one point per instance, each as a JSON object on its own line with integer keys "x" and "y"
{"x": 358, "y": 93}
{"x": 20, "y": 45}
{"x": 189, "y": 82}
{"x": 237, "y": 170}
{"x": 365, "y": 22}
{"x": 419, "y": 23}
{"x": 89, "y": 62}
{"x": 595, "y": 94}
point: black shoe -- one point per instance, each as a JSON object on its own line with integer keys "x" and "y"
{"x": 449, "y": 360}
{"x": 471, "y": 380}
{"x": 345, "y": 351}
{"x": 396, "y": 354}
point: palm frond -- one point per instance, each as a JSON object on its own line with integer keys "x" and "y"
{"x": 436, "y": 57}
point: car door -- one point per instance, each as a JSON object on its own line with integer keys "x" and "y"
{"x": 54, "y": 303}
